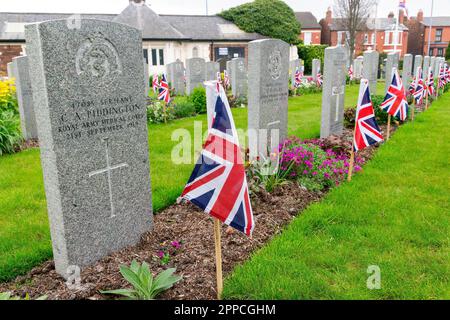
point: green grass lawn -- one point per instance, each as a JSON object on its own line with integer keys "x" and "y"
{"x": 395, "y": 214}
{"x": 24, "y": 231}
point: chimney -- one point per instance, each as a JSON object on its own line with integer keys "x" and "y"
{"x": 137, "y": 1}
{"x": 420, "y": 15}
{"x": 391, "y": 15}
{"x": 329, "y": 16}
{"x": 401, "y": 16}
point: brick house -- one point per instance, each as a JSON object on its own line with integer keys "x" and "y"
{"x": 377, "y": 34}
{"x": 311, "y": 29}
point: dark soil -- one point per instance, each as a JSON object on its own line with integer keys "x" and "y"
{"x": 195, "y": 259}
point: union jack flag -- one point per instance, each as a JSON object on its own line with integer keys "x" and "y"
{"x": 164, "y": 91}
{"x": 155, "y": 83}
{"x": 319, "y": 80}
{"x": 226, "y": 79}
{"x": 298, "y": 78}
{"x": 447, "y": 73}
{"x": 442, "y": 77}
{"x": 419, "y": 89}
{"x": 412, "y": 86}
{"x": 430, "y": 83}
{"x": 218, "y": 184}
{"x": 395, "y": 102}
{"x": 367, "y": 131}
{"x": 350, "y": 72}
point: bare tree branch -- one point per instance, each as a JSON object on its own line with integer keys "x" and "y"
{"x": 353, "y": 16}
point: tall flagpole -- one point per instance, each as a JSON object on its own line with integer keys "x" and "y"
{"x": 206, "y": 1}
{"x": 431, "y": 28}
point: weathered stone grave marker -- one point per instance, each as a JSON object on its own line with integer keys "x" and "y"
{"x": 239, "y": 81}
{"x": 407, "y": 69}
{"x": 370, "y": 69}
{"x": 391, "y": 62}
{"x": 91, "y": 117}
{"x": 195, "y": 73}
{"x": 211, "y": 70}
{"x": 175, "y": 75}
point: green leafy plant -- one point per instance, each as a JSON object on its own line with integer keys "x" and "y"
{"x": 198, "y": 99}
{"x": 308, "y": 52}
{"x": 272, "y": 18}
{"x": 183, "y": 107}
{"x": 145, "y": 286}
{"x": 10, "y": 135}
{"x": 8, "y": 296}
{"x": 447, "y": 53}
{"x": 156, "y": 113}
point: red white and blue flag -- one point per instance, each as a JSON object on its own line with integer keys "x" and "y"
{"x": 155, "y": 83}
{"x": 226, "y": 79}
{"x": 412, "y": 86}
{"x": 442, "y": 77}
{"x": 298, "y": 78}
{"x": 419, "y": 88}
{"x": 395, "y": 102}
{"x": 447, "y": 73}
{"x": 319, "y": 80}
{"x": 164, "y": 91}
{"x": 367, "y": 131}
{"x": 218, "y": 184}
{"x": 430, "y": 83}
{"x": 350, "y": 72}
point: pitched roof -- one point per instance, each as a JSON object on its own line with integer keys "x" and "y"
{"x": 214, "y": 28}
{"x": 140, "y": 16}
{"x": 12, "y": 25}
{"x": 437, "y": 21}
{"x": 370, "y": 24}
{"x": 307, "y": 20}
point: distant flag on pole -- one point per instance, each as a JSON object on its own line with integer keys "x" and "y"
{"x": 419, "y": 88}
{"x": 218, "y": 184}
{"x": 442, "y": 77}
{"x": 395, "y": 102}
{"x": 367, "y": 131}
{"x": 164, "y": 91}
{"x": 430, "y": 83}
{"x": 447, "y": 72}
{"x": 155, "y": 83}
{"x": 226, "y": 79}
{"x": 319, "y": 78}
{"x": 350, "y": 72}
{"x": 412, "y": 86}
{"x": 298, "y": 78}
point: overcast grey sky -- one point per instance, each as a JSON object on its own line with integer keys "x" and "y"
{"x": 318, "y": 7}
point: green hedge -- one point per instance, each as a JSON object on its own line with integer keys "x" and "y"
{"x": 272, "y": 18}
{"x": 308, "y": 53}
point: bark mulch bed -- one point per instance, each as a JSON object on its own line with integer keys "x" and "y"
{"x": 195, "y": 259}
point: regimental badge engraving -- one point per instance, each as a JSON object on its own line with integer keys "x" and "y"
{"x": 274, "y": 64}
{"x": 97, "y": 58}
{"x": 196, "y": 67}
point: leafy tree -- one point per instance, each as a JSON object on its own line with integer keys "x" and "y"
{"x": 308, "y": 53}
{"x": 271, "y": 18}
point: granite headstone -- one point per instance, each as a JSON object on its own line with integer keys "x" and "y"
{"x": 333, "y": 93}
{"x": 391, "y": 62}
{"x": 195, "y": 73}
{"x": 239, "y": 81}
{"x": 268, "y": 72}
{"x": 175, "y": 75}
{"x": 417, "y": 63}
{"x": 407, "y": 69}
{"x": 370, "y": 69}
{"x": 92, "y": 125}
{"x": 211, "y": 70}
{"x": 315, "y": 68}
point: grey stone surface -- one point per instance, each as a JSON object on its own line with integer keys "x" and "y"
{"x": 439, "y": 61}
{"x": 25, "y": 98}
{"x": 333, "y": 93}
{"x": 315, "y": 68}
{"x": 433, "y": 61}
{"x": 407, "y": 69}
{"x": 230, "y": 76}
{"x": 9, "y": 70}
{"x": 293, "y": 66}
{"x": 239, "y": 81}
{"x": 391, "y": 62}
{"x": 211, "y": 70}
{"x": 418, "y": 59}
{"x": 146, "y": 78}
{"x": 426, "y": 66}
{"x": 175, "y": 75}
{"x": 358, "y": 67}
{"x": 268, "y": 72}
{"x": 92, "y": 125}
{"x": 370, "y": 69}
{"x": 195, "y": 73}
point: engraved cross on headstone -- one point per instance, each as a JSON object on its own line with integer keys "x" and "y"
{"x": 108, "y": 171}
{"x": 337, "y": 92}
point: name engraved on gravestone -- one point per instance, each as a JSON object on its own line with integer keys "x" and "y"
{"x": 93, "y": 133}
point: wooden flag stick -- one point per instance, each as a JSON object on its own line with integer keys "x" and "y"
{"x": 165, "y": 112}
{"x": 388, "y": 127}
{"x": 218, "y": 245}
{"x": 413, "y": 107}
{"x": 352, "y": 163}
{"x": 426, "y": 102}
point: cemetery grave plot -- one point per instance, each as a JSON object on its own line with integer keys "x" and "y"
{"x": 194, "y": 260}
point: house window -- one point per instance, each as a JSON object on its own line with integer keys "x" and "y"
{"x": 431, "y": 53}
{"x": 340, "y": 37}
{"x": 387, "y": 37}
{"x": 195, "y": 52}
{"x": 438, "y": 35}
{"x": 146, "y": 55}
{"x": 440, "y": 52}
{"x": 373, "y": 38}
{"x": 307, "y": 37}
{"x": 366, "y": 38}
{"x": 157, "y": 57}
